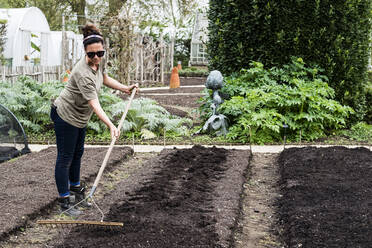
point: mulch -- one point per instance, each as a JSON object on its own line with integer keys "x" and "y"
{"x": 28, "y": 188}
{"x": 182, "y": 198}
{"x": 326, "y": 197}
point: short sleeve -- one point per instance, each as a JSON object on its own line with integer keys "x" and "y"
{"x": 87, "y": 88}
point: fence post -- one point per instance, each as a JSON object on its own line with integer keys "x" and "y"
{"x": 141, "y": 59}
{"x": 63, "y": 43}
{"x": 4, "y": 78}
{"x": 58, "y": 73}
{"x": 42, "y": 74}
{"x": 162, "y": 50}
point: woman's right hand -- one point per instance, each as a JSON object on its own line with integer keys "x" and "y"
{"x": 115, "y": 133}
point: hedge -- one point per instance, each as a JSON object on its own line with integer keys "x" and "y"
{"x": 335, "y": 35}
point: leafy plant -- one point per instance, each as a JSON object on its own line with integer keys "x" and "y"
{"x": 193, "y": 72}
{"x": 30, "y": 101}
{"x": 147, "y": 119}
{"x": 260, "y": 101}
{"x": 359, "y": 132}
{"x": 332, "y": 34}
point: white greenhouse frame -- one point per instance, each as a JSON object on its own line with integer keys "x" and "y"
{"x": 23, "y": 26}
{"x": 198, "y": 50}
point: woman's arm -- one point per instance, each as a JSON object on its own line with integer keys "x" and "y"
{"x": 112, "y": 83}
{"x": 103, "y": 117}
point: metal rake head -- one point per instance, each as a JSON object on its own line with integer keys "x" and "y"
{"x": 79, "y": 223}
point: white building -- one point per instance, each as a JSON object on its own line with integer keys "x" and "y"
{"x": 26, "y": 26}
{"x": 198, "y": 53}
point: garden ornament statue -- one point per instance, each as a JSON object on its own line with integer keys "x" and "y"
{"x": 217, "y": 122}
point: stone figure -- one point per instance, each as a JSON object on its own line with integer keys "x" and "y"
{"x": 217, "y": 122}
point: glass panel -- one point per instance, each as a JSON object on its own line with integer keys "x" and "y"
{"x": 194, "y": 50}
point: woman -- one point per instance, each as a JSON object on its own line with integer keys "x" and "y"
{"x": 71, "y": 112}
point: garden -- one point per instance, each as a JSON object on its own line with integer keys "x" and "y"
{"x": 307, "y": 91}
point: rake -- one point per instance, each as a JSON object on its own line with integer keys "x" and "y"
{"x": 101, "y": 223}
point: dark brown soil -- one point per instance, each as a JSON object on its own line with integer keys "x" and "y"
{"x": 187, "y": 81}
{"x": 326, "y": 197}
{"x": 176, "y": 111}
{"x": 189, "y": 101}
{"x": 187, "y": 90}
{"x": 192, "y": 80}
{"x": 27, "y": 184}
{"x": 184, "y": 198}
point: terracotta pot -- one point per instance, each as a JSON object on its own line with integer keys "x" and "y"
{"x": 174, "y": 79}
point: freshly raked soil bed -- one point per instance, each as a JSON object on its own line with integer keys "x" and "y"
{"x": 184, "y": 198}
{"x": 201, "y": 197}
{"x": 326, "y": 197}
{"x": 27, "y": 184}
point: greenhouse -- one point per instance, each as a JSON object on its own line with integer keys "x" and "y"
{"x": 198, "y": 54}
{"x": 27, "y": 29}
{"x": 29, "y": 40}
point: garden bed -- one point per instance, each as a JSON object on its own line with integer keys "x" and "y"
{"x": 184, "y": 90}
{"x": 209, "y": 197}
{"x": 28, "y": 187}
{"x": 182, "y": 198}
{"x": 189, "y": 101}
{"x": 183, "y": 101}
{"x": 326, "y": 197}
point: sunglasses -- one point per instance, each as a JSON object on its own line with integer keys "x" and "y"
{"x": 92, "y": 54}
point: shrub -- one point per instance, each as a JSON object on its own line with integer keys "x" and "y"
{"x": 332, "y": 34}
{"x": 193, "y": 72}
{"x": 368, "y": 91}
{"x": 260, "y": 101}
{"x": 359, "y": 132}
{"x": 30, "y": 101}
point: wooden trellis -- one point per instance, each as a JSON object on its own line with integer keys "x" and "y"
{"x": 151, "y": 60}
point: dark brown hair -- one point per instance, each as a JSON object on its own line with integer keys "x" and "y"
{"x": 91, "y": 30}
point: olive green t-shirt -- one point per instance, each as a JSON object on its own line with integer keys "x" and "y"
{"x": 83, "y": 85}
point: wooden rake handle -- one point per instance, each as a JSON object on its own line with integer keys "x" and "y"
{"x": 104, "y": 163}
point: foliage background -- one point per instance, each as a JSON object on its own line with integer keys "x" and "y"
{"x": 261, "y": 102}
{"x": 30, "y": 101}
{"x": 332, "y": 34}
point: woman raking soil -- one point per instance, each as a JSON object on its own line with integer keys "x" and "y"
{"x": 71, "y": 112}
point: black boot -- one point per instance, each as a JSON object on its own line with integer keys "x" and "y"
{"x": 79, "y": 193}
{"x": 67, "y": 208}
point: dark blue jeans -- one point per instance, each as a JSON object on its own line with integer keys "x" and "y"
{"x": 70, "y": 149}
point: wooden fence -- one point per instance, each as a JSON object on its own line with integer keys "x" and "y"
{"x": 38, "y": 73}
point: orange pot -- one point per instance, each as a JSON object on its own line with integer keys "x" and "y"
{"x": 174, "y": 79}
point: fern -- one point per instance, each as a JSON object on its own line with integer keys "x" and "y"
{"x": 30, "y": 101}
{"x": 147, "y": 116}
